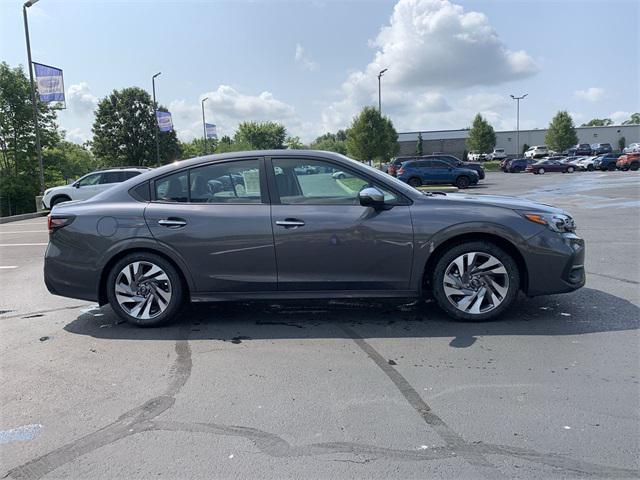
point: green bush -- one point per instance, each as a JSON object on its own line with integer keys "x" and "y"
{"x": 492, "y": 166}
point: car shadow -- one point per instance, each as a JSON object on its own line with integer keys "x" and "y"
{"x": 582, "y": 312}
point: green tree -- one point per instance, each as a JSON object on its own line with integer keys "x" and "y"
{"x": 195, "y": 148}
{"x": 525, "y": 147}
{"x": 294, "y": 143}
{"x": 19, "y": 169}
{"x": 372, "y": 136}
{"x": 67, "y": 161}
{"x": 598, "y": 122}
{"x": 482, "y": 137}
{"x": 419, "y": 146}
{"x": 124, "y": 131}
{"x": 331, "y": 142}
{"x": 633, "y": 120}
{"x": 261, "y": 135}
{"x": 561, "y": 133}
{"x": 622, "y": 142}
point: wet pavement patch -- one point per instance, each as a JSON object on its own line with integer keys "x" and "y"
{"x": 20, "y": 434}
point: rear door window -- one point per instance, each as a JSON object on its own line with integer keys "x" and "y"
{"x": 111, "y": 177}
{"x": 228, "y": 182}
{"x": 172, "y": 188}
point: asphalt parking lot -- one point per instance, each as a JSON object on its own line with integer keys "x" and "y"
{"x": 349, "y": 389}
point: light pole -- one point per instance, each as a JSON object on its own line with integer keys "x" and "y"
{"x": 204, "y": 125}
{"x": 26, "y": 5}
{"x": 379, "y": 93}
{"x": 155, "y": 115}
{"x": 517, "y": 99}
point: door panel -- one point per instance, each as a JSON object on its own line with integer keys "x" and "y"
{"x": 325, "y": 240}
{"x": 224, "y": 233}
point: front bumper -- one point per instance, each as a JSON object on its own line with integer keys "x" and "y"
{"x": 555, "y": 263}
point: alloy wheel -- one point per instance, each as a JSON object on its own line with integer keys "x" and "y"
{"x": 476, "y": 282}
{"x": 143, "y": 290}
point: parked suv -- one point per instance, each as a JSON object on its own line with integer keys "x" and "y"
{"x": 518, "y": 165}
{"x": 475, "y": 156}
{"x": 90, "y": 185}
{"x": 168, "y": 236}
{"x": 628, "y": 161}
{"x": 454, "y": 162}
{"x": 600, "y": 148}
{"x": 422, "y": 172}
{"x": 582, "y": 149}
{"x": 606, "y": 162}
{"x": 394, "y": 165}
{"x": 537, "y": 151}
{"x": 497, "y": 154}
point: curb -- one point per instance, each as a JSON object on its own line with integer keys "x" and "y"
{"x": 24, "y": 216}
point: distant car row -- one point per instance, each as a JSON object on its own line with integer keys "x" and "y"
{"x": 606, "y": 162}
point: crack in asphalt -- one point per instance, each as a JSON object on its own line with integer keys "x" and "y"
{"x": 620, "y": 279}
{"x": 141, "y": 419}
{"x": 44, "y": 312}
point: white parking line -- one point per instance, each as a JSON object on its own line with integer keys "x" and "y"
{"x": 21, "y": 244}
{"x": 7, "y": 267}
{"x": 24, "y": 231}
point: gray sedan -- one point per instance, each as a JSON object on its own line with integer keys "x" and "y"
{"x": 303, "y": 224}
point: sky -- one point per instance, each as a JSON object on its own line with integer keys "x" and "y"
{"x": 312, "y": 65}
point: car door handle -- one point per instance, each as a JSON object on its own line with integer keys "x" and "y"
{"x": 290, "y": 223}
{"x": 172, "y": 222}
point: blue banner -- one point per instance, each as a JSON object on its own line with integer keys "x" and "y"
{"x": 50, "y": 83}
{"x": 164, "y": 121}
{"x": 210, "y": 128}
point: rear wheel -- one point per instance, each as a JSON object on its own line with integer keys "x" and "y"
{"x": 541, "y": 171}
{"x": 475, "y": 281}
{"x": 145, "y": 289}
{"x": 415, "y": 182}
{"x": 570, "y": 170}
{"x": 60, "y": 199}
{"x": 462, "y": 182}
{"x": 634, "y": 166}
{"x": 590, "y": 168}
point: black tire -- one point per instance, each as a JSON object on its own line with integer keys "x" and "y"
{"x": 541, "y": 171}
{"x": 59, "y": 199}
{"x": 445, "y": 259}
{"x": 177, "y": 289}
{"x": 415, "y": 182}
{"x": 462, "y": 182}
{"x": 611, "y": 167}
{"x": 634, "y": 167}
{"x": 590, "y": 168}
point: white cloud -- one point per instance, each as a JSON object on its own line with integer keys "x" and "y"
{"x": 303, "y": 58}
{"x": 592, "y": 94}
{"x": 485, "y": 101}
{"x": 227, "y": 107}
{"x": 430, "y": 46}
{"x": 80, "y": 99}
{"x": 618, "y": 117}
{"x": 77, "y": 135}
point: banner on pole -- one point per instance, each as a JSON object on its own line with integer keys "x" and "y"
{"x": 210, "y": 128}
{"x": 164, "y": 121}
{"x": 50, "y": 84}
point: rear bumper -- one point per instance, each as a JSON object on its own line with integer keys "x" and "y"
{"x": 555, "y": 263}
{"x": 68, "y": 279}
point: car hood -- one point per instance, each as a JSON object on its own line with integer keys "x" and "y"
{"x": 514, "y": 203}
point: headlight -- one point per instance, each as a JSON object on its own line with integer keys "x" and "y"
{"x": 557, "y": 222}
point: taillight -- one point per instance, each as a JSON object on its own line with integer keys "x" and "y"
{"x": 400, "y": 170}
{"x": 57, "y": 222}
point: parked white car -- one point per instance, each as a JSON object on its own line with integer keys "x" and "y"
{"x": 537, "y": 151}
{"x": 587, "y": 164}
{"x": 497, "y": 154}
{"x": 632, "y": 148}
{"x": 476, "y": 156}
{"x": 90, "y": 185}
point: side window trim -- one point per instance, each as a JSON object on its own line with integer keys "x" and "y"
{"x": 273, "y": 188}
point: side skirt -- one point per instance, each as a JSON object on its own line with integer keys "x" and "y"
{"x": 325, "y": 294}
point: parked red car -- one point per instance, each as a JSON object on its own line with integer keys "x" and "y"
{"x": 544, "y": 166}
{"x": 628, "y": 161}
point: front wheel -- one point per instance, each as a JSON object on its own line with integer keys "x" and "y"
{"x": 541, "y": 171}
{"x": 415, "y": 182}
{"x": 462, "y": 182}
{"x": 570, "y": 170}
{"x": 590, "y": 168}
{"x": 145, "y": 289}
{"x": 475, "y": 281}
{"x": 611, "y": 167}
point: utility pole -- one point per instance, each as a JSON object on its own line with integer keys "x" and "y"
{"x": 33, "y": 94}
{"x": 379, "y": 91}
{"x": 155, "y": 117}
{"x": 204, "y": 124}
{"x": 517, "y": 99}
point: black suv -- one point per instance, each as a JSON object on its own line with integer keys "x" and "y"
{"x": 518, "y": 165}
{"x": 450, "y": 160}
{"x": 606, "y": 162}
{"x": 601, "y": 148}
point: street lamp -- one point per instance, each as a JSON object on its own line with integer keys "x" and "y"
{"x": 155, "y": 114}
{"x": 517, "y": 99}
{"x": 379, "y": 94}
{"x": 26, "y": 5}
{"x": 204, "y": 125}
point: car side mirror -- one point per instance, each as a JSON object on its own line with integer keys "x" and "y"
{"x": 76, "y": 185}
{"x": 371, "y": 197}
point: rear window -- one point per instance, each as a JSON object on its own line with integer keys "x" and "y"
{"x": 128, "y": 175}
{"x": 172, "y": 188}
